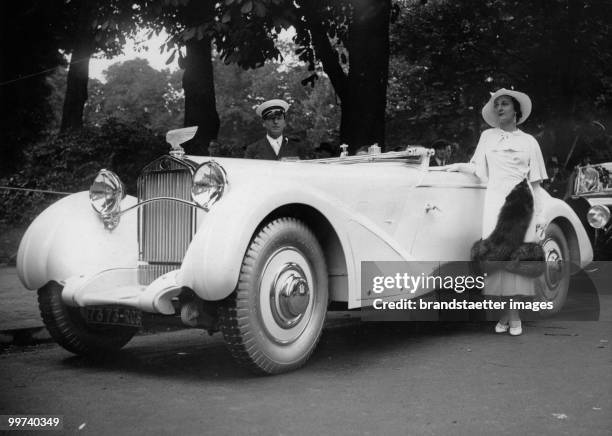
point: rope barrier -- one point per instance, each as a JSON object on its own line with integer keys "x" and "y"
{"x": 48, "y": 70}
{"x": 43, "y": 191}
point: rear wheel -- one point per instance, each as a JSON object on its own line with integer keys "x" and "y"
{"x": 68, "y": 328}
{"x": 273, "y": 321}
{"x": 554, "y": 284}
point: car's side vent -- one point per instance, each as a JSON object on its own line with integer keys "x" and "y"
{"x": 165, "y": 227}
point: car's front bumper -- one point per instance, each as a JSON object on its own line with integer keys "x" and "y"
{"x": 120, "y": 286}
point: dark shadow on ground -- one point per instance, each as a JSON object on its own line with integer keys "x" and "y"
{"x": 346, "y": 344}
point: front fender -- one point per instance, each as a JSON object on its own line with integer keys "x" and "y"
{"x": 212, "y": 263}
{"x": 69, "y": 239}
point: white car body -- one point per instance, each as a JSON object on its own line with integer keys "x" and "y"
{"x": 387, "y": 207}
{"x": 380, "y": 211}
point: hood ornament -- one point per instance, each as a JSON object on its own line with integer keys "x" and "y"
{"x": 177, "y": 137}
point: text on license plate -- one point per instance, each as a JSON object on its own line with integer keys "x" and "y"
{"x": 114, "y": 316}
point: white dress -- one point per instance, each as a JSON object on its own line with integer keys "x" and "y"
{"x": 504, "y": 159}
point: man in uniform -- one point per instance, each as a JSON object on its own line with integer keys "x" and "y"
{"x": 273, "y": 146}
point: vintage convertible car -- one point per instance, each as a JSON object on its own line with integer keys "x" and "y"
{"x": 256, "y": 249}
{"x": 591, "y": 199}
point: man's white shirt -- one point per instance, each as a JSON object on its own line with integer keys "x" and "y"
{"x": 275, "y": 143}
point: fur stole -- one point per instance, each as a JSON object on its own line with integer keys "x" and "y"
{"x": 505, "y": 247}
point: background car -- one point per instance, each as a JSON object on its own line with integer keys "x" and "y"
{"x": 257, "y": 249}
{"x": 591, "y": 199}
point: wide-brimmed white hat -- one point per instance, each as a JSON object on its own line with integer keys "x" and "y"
{"x": 488, "y": 111}
{"x": 271, "y": 106}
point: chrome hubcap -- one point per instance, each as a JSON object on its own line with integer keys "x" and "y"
{"x": 289, "y": 295}
{"x": 285, "y": 294}
{"x": 554, "y": 264}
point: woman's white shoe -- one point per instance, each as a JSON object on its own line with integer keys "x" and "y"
{"x": 501, "y": 328}
{"x": 516, "y": 330}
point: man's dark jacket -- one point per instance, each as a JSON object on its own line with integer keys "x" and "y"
{"x": 263, "y": 150}
{"x": 433, "y": 162}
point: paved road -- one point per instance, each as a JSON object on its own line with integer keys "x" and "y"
{"x": 364, "y": 378}
{"x": 374, "y": 379}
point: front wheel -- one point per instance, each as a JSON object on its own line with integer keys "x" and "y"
{"x": 553, "y": 286}
{"x": 273, "y": 321}
{"x": 68, "y": 328}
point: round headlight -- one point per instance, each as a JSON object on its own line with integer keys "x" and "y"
{"x": 106, "y": 192}
{"x": 209, "y": 183}
{"x": 598, "y": 216}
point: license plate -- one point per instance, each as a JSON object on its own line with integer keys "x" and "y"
{"x": 114, "y": 316}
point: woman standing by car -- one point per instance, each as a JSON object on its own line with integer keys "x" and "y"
{"x": 512, "y": 164}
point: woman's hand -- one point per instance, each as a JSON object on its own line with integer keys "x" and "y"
{"x": 452, "y": 167}
{"x": 460, "y": 167}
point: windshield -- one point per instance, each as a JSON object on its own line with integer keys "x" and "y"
{"x": 413, "y": 155}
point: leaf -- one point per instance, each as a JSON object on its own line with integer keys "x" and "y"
{"x": 227, "y": 17}
{"x": 229, "y": 2}
{"x": 247, "y": 7}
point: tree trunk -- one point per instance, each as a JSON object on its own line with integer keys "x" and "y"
{"x": 324, "y": 50}
{"x": 363, "y": 92}
{"x": 200, "y": 102}
{"x": 198, "y": 82}
{"x": 363, "y": 110}
{"x": 78, "y": 72}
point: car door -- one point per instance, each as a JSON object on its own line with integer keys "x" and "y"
{"x": 448, "y": 209}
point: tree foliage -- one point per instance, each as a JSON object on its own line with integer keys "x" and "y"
{"x": 36, "y": 34}
{"x": 71, "y": 161}
{"x": 450, "y": 55}
{"x": 178, "y": 17}
{"x": 349, "y": 35}
{"x": 89, "y": 27}
{"x": 136, "y": 93}
{"x": 313, "y": 116}
{"x": 350, "y": 39}
{"x": 29, "y": 54}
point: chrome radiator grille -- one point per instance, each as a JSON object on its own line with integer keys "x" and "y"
{"x": 165, "y": 227}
